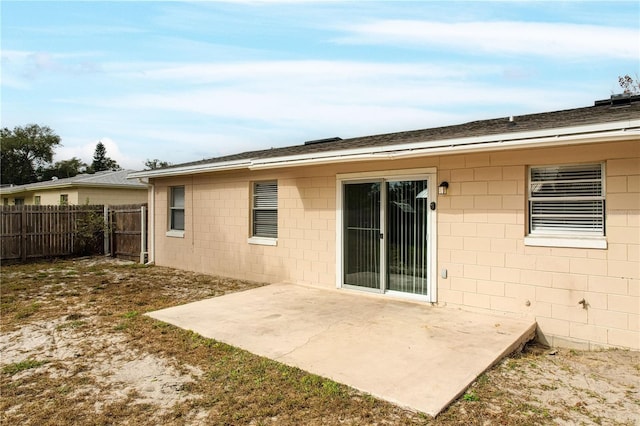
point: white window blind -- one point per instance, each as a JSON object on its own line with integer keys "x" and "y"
{"x": 265, "y": 209}
{"x": 567, "y": 200}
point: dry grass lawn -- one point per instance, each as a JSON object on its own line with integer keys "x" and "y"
{"x": 76, "y": 350}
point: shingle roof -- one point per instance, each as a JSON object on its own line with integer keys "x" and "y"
{"x": 607, "y": 111}
{"x": 107, "y": 178}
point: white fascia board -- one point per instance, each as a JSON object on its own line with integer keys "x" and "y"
{"x": 568, "y": 136}
{"x": 109, "y": 185}
{"x": 519, "y": 144}
{"x": 628, "y": 129}
{"x": 70, "y": 186}
{"x": 26, "y": 188}
{"x": 198, "y": 168}
{"x": 9, "y": 191}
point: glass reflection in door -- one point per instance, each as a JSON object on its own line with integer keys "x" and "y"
{"x": 362, "y": 235}
{"x": 406, "y": 236}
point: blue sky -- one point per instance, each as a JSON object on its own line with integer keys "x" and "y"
{"x": 182, "y": 81}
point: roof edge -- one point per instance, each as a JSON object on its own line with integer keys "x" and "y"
{"x": 567, "y": 135}
{"x": 192, "y": 169}
{"x": 25, "y": 188}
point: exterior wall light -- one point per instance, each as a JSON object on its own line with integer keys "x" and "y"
{"x": 442, "y": 188}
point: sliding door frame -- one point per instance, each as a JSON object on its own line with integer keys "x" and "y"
{"x": 428, "y": 174}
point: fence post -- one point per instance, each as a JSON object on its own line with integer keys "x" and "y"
{"x": 143, "y": 234}
{"x": 23, "y": 233}
{"x": 106, "y": 230}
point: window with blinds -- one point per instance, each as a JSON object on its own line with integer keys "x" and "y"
{"x": 265, "y": 209}
{"x": 567, "y": 200}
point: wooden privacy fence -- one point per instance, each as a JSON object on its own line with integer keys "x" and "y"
{"x": 48, "y": 231}
{"x": 31, "y": 232}
{"x": 128, "y": 232}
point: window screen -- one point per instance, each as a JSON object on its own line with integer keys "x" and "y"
{"x": 567, "y": 200}
{"x": 177, "y": 208}
{"x": 265, "y": 209}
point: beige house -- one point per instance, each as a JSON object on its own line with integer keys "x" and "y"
{"x": 107, "y": 187}
{"x": 535, "y": 215}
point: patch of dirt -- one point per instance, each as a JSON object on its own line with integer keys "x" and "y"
{"x": 576, "y": 387}
{"x": 76, "y": 349}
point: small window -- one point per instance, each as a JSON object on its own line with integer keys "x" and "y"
{"x": 18, "y": 201}
{"x": 64, "y": 199}
{"x": 5, "y": 201}
{"x": 567, "y": 200}
{"x": 36, "y": 200}
{"x": 265, "y": 209}
{"x": 177, "y": 208}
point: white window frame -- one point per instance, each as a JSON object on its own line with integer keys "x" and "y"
{"x": 64, "y": 199}
{"x": 172, "y": 231}
{"x": 567, "y": 237}
{"x": 430, "y": 174}
{"x": 257, "y": 238}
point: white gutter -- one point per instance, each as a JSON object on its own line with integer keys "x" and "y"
{"x": 29, "y": 188}
{"x": 198, "y": 168}
{"x": 447, "y": 149}
{"x": 628, "y": 129}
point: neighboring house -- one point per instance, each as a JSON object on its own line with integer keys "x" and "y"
{"x": 535, "y": 215}
{"x": 107, "y": 187}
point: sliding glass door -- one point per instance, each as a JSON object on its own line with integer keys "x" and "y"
{"x": 362, "y": 234}
{"x": 385, "y": 236}
{"x": 406, "y": 236}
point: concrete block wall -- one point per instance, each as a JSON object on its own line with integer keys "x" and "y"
{"x": 308, "y": 228}
{"x": 481, "y": 230}
{"x": 218, "y": 225}
{"x": 481, "y": 225}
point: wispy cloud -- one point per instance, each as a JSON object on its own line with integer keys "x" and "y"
{"x": 189, "y": 80}
{"x": 311, "y": 69}
{"x": 558, "y": 40}
{"x": 330, "y": 96}
{"x": 82, "y": 30}
{"x": 22, "y": 66}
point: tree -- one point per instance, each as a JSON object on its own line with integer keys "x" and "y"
{"x": 101, "y": 161}
{"x": 64, "y": 169}
{"x": 629, "y": 85}
{"x": 155, "y": 164}
{"x": 23, "y": 151}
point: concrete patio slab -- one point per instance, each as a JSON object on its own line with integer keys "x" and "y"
{"x": 411, "y": 354}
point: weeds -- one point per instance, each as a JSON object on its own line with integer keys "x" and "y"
{"x": 72, "y": 325}
{"x": 470, "y": 396}
{"x": 331, "y": 388}
{"x": 121, "y": 326}
{"x": 235, "y": 387}
{"x": 17, "y": 367}
{"x": 27, "y": 311}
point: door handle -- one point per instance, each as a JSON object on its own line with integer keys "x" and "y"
{"x": 381, "y": 236}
